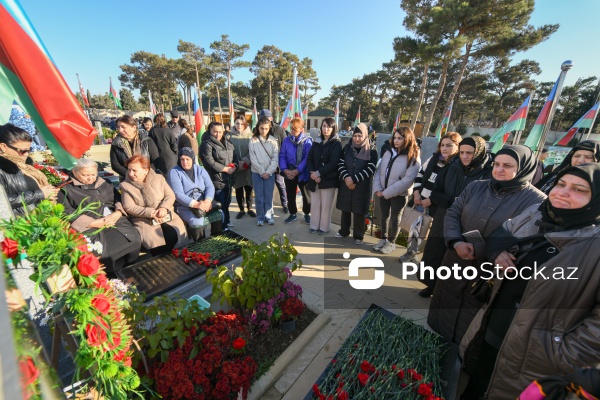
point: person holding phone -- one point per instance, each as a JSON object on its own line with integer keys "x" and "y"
{"x": 148, "y": 200}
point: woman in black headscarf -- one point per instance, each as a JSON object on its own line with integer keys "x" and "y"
{"x": 584, "y": 152}
{"x": 471, "y": 164}
{"x": 483, "y": 206}
{"x": 538, "y": 325}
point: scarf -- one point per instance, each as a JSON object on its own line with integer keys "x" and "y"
{"x": 478, "y": 143}
{"x": 363, "y": 150}
{"x": 549, "y": 181}
{"x": 133, "y": 148}
{"x": 583, "y": 383}
{"x": 299, "y": 143}
{"x": 188, "y": 152}
{"x": 568, "y": 219}
{"x": 526, "y": 164}
{"x": 29, "y": 170}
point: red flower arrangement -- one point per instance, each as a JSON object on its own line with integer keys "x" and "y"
{"x": 88, "y": 264}
{"x": 54, "y": 177}
{"x": 291, "y": 308}
{"x": 197, "y": 257}
{"x": 216, "y": 371}
{"x": 10, "y": 248}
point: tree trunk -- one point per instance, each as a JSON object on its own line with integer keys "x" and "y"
{"x": 381, "y": 96}
{"x": 270, "y": 96}
{"x": 459, "y": 76}
{"x": 437, "y": 97}
{"x": 189, "y": 102}
{"x": 421, "y": 96}
{"x": 197, "y": 76}
{"x": 219, "y": 102}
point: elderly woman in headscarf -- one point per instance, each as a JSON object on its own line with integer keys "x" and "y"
{"x": 538, "y": 325}
{"x": 120, "y": 240}
{"x": 194, "y": 192}
{"x": 483, "y": 206}
{"x": 25, "y": 186}
{"x": 471, "y": 164}
{"x": 356, "y": 167}
{"x": 584, "y": 152}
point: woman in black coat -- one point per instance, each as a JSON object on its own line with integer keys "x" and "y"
{"x": 120, "y": 240}
{"x": 356, "y": 168}
{"x": 130, "y": 142}
{"x": 23, "y": 183}
{"x": 322, "y": 164}
{"x": 471, "y": 164}
{"x": 166, "y": 143}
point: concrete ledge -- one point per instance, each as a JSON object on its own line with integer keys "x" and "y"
{"x": 268, "y": 379}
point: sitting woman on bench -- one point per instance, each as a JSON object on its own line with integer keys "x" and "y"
{"x": 194, "y": 192}
{"x": 148, "y": 201}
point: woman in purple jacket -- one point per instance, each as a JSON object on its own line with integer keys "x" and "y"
{"x": 293, "y": 164}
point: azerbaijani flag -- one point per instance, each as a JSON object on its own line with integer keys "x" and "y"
{"x": 254, "y": 115}
{"x": 396, "y": 122}
{"x": 305, "y": 113}
{"x": 357, "y": 120}
{"x": 113, "y": 95}
{"x": 443, "y": 126}
{"x": 516, "y": 122}
{"x": 198, "y": 123}
{"x": 82, "y": 92}
{"x": 337, "y": 113}
{"x": 29, "y": 76}
{"x": 293, "y": 108}
{"x": 535, "y": 135}
{"x": 152, "y": 106}
{"x": 584, "y": 122}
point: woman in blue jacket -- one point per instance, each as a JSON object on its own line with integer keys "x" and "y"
{"x": 293, "y": 164}
{"x": 193, "y": 190}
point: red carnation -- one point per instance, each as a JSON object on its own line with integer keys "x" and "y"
{"x": 239, "y": 343}
{"x": 101, "y": 303}
{"x": 343, "y": 395}
{"x": 96, "y": 334}
{"x": 101, "y": 282}
{"x": 424, "y": 389}
{"x": 116, "y": 341}
{"x": 29, "y": 373}
{"x": 363, "y": 378}
{"x": 10, "y": 248}
{"x": 366, "y": 367}
{"x": 88, "y": 264}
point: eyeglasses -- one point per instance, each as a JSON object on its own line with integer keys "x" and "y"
{"x": 20, "y": 151}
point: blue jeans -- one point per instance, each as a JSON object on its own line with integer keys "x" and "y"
{"x": 223, "y": 196}
{"x": 263, "y": 196}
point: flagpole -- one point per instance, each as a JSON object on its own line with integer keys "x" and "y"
{"x": 593, "y": 120}
{"x": 565, "y": 67}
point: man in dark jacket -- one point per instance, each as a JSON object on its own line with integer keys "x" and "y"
{"x": 173, "y": 124}
{"x": 220, "y": 161}
{"x": 279, "y": 133}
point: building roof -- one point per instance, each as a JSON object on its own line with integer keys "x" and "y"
{"x": 321, "y": 112}
{"x": 214, "y": 105}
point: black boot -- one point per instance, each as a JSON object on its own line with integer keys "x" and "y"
{"x": 250, "y": 212}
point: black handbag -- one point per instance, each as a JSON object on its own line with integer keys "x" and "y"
{"x": 482, "y": 289}
{"x": 216, "y": 206}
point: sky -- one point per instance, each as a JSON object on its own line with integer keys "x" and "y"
{"x": 345, "y": 39}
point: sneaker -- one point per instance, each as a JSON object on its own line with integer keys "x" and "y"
{"x": 323, "y": 233}
{"x": 388, "y": 248}
{"x": 291, "y": 218}
{"x": 380, "y": 244}
{"x": 241, "y": 214}
{"x": 252, "y": 213}
{"x": 230, "y": 225}
{"x": 339, "y": 235}
{"x": 307, "y": 219}
{"x": 286, "y": 210}
{"x": 270, "y": 221}
{"x": 260, "y": 223}
{"x": 358, "y": 241}
{"x": 313, "y": 230}
{"x": 427, "y": 292}
{"x": 408, "y": 257}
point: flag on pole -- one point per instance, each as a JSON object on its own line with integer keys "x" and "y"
{"x": 396, "y": 122}
{"x": 294, "y": 108}
{"x": 198, "y": 122}
{"x": 337, "y": 113}
{"x": 443, "y": 126}
{"x": 516, "y": 122}
{"x": 535, "y": 135}
{"x": 305, "y": 113}
{"x": 584, "y": 122}
{"x": 254, "y": 115}
{"x": 152, "y": 106}
{"x": 113, "y": 95}
{"x": 29, "y": 76}
{"x": 82, "y": 92}
{"x": 357, "y": 120}
{"x": 231, "y": 111}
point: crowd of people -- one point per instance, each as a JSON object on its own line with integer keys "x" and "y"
{"x": 518, "y": 331}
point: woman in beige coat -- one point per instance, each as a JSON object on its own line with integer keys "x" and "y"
{"x": 148, "y": 200}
